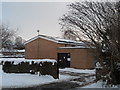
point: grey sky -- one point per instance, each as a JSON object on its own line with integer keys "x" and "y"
{"x": 31, "y": 16}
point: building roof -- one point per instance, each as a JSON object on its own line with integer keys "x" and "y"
{"x": 56, "y": 40}
{"x": 76, "y": 47}
{"x": 6, "y": 50}
{"x": 14, "y": 50}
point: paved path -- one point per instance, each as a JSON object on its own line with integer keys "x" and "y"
{"x": 80, "y": 79}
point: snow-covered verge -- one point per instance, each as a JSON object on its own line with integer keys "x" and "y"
{"x": 24, "y": 80}
{"x": 27, "y": 80}
{"x": 0, "y": 77}
{"x": 18, "y": 60}
{"x": 11, "y": 80}
{"x": 98, "y": 84}
{"x": 78, "y": 70}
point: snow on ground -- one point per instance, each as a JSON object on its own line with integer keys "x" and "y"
{"x": 12, "y": 80}
{"x": 0, "y": 77}
{"x": 24, "y": 80}
{"x": 27, "y": 80}
{"x": 98, "y": 84}
{"x": 18, "y": 60}
{"x": 78, "y": 70}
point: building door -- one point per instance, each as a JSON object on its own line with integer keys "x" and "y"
{"x": 63, "y": 60}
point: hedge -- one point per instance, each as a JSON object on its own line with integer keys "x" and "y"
{"x": 44, "y": 68}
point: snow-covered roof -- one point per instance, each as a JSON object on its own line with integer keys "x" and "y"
{"x": 75, "y": 47}
{"x": 56, "y": 40}
{"x": 6, "y": 50}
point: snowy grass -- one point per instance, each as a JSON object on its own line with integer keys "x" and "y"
{"x": 24, "y": 80}
{"x": 78, "y": 70}
{"x": 12, "y": 80}
{"x": 98, "y": 84}
{"x": 0, "y": 77}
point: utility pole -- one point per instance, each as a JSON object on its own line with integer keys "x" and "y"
{"x": 38, "y": 45}
{"x": 38, "y": 32}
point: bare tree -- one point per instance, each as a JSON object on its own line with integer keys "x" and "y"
{"x": 19, "y": 43}
{"x": 98, "y": 23}
{"x": 69, "y": 34}
{"x": 7, "y": 36}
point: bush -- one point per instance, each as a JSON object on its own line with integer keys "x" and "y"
{"x": 6, "y": 67}
{"x": 45, "y": 68}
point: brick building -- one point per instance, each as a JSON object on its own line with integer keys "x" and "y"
{"x": 68, "y": 53}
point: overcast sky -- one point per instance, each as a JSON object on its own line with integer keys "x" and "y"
{"x": 29, "y": 16}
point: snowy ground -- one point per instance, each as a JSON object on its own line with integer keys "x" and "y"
{"x": 94, "y": 85}
{"x": 0, "y": 77}
{"x": 11, "y": 80}
{"x": 27, "y": 80}
{"x": 99, "y": 84}
{"x": 78, "y": 70}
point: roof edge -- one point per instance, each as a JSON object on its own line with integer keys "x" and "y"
{"x": 36, "y": 37}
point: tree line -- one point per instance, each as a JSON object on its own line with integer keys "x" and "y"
{"x": 9, "y": 39}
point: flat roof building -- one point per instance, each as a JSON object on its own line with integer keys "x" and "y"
{"x": 68, "y": 53}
